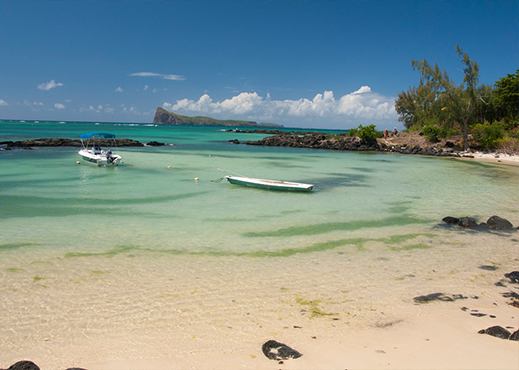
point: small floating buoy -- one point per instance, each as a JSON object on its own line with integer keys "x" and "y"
{"x": 169, "y": 166}
{"x": 77, "y": 162}
{"x": 197, "y": 179}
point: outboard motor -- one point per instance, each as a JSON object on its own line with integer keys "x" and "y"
{"x": 109, "y": 158}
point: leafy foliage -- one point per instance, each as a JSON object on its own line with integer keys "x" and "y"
{"x": 488, "y": 134}
{"x": 439, "y": 108}
{"x": 368, "y": 133}
{"x": 507, "y": 94}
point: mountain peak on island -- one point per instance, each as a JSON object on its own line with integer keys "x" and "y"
{"x": 163, "y": 116}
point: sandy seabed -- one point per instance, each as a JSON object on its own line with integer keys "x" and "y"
{"x": 340, "y": 308}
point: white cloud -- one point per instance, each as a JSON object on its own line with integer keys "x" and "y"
{"x": 59, "y": 106}
{"x": 163, "y": 76}
{"x": 146, "y": 87}
{"x": 359, "y": 107}
{"x": 119, "y": 89}
{"x": 49, "y": 85}
{"x": 3, "y": 102}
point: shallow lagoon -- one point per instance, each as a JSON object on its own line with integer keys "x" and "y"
{"x": 138, "y": 256}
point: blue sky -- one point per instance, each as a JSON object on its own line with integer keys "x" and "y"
{"x": 316, "y": 64}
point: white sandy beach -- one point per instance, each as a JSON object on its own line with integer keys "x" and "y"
{"x": 500, "y": 158}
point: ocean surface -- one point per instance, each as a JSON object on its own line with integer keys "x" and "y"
{"x": 140, "y": 255}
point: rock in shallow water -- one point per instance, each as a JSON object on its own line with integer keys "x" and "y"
{"x": 498, "y": 223}
{"x": 279, "y": 351}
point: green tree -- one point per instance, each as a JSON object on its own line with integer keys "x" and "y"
{"x": 368, "y": 133}
{"x": 507, "y": 95}
{"x": 463, "y": 97}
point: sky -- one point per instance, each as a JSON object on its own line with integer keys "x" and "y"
{"x": 309, "y": 64}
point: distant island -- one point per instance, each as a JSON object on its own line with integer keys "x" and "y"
{"x": 163, "y": 116}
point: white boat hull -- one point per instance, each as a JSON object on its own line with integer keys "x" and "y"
{"x": 100, "y": 159}
{"x": 269, "y": 184}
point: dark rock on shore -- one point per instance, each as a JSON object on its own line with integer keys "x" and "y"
{"x": 496, "y": 331}
{"x": 29, "y": 365}
{"x": 438, "y": 297}
{"x": 24, "y": 365}
{"x": 316, "y": 140}
{"x": 513, "y": 276}
{"x": 344, "y": 142}
{"x": 279, "y": 351}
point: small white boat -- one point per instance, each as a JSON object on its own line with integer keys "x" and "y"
{"x": 92, "y": 152}
{"x": 269, "y": 184}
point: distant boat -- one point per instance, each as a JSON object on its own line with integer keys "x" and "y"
{"x": 96, "y": 155}
{"x": 269, "y": 184}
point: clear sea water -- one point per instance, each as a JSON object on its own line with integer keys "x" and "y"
{"x": 143, "y": 247}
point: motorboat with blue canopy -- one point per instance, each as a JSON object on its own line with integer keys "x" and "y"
{"x": 91, "y": 150}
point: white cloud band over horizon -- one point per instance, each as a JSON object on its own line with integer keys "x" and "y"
{"x": 361, "y": 106}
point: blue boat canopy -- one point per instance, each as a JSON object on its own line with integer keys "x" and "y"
{"x": 97, "y": 135}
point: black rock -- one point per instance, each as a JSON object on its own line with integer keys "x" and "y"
{"x": 498, "y": 223}
{"x": 451, "y": 220}
{"x": 24, "y": 365}
{"x": 514, "y": 336}
{"x": 468, "y": 222}
{"x": 488, "y": 268}
{"x": 513, "y": 276}
{"x": 155, "y": 143}
{"x": 496, "y": 331}
{"x": 437, "y": 297}
{"x": 510, "y": 295}
{"x": 279, "y": 351}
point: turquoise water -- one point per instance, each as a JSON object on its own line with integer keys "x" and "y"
{"x": 153, "y": 202}
{"x": 121, "y": 261}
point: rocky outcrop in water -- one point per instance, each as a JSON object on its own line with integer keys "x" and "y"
{"x": 56, "y": 142}
{"x": 493, "y": 223}
{"x": 344, "y": 142}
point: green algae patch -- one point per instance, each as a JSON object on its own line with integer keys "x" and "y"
{"x": 98, "y": 272}
{"x": 328, "y": 227}
{"x": 313, "y": 309}
{"x": 14, "y": 270}
{"x": 411, "y": 247}
{"x": 6, "y": 247}
{"x": 37, "y": 278}
{"x": 109, "y": 253}
{"x": 393, "y": 242}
